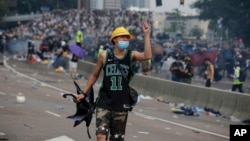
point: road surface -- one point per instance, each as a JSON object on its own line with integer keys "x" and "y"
{"x": 43, "y": 116}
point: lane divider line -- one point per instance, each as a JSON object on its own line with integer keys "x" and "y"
{"x": 54, "y": 114}
{"x": 136, "y": 113}
{"x": 31, "y": 78}
{"x": 180, "y": 125}
{"x": 2, "y": 93}
{"x": 61, "y": 138}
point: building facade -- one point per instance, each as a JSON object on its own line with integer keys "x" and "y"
{"x": 135, "y": 3}
{"x": 105, "y": 4}
{"x": 189, "y": 23}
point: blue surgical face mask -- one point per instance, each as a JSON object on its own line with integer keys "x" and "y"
{"x": 123, "y": 45}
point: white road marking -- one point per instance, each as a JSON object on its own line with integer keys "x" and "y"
{"x": 31, "y": 78}
{"x": 54, "y": 114}
{"x": 177, "y": 133}
{"x": 146, "y": 133}
{"x": 61, "y": 138}
{"x": 136, "y": 113}
{"x": 180, "y": 125}
{"x": 2, "y": 134}
{"x": 168, "y": 128}
{"x": 151, "y": 108}
{"x": 2, "y": 93}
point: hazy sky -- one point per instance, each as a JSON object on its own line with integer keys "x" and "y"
{"x": 169, "y": 5}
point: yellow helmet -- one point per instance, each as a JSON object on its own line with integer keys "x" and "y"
{"x": 187, "y": 59}
{"x": 120, "y": 31}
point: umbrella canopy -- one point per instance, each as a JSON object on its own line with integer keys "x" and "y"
{"x": 196, "y": 59}
{"x": 77, "y": 50}
{"x": 210, "y": 54}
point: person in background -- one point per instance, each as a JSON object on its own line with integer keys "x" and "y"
{"x": 136, "y": 66}
{"x": 100, "y": 50}
{"x": 65, "y": 47}
{"x": 237, "y": 84}
{"x": 165, "y": 69}
{"x": 157, "y": 62}
{"x": 188, "y": 71}
{"x": 176, "y": 68}
{"x": 79, "y": 38}
{"x": 209, "y": 72}
{"x": 73, "y": 66}
{"x": 146, "y": 67}
{"x": 31, "y": 49}
{"x": 113, "y": 102}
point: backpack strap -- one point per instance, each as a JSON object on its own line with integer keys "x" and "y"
{"x": 117, "y": 64}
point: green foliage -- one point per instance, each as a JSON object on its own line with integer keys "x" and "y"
{"x": 234, "y": 15}
{"x": 196, "y": 32}
{"x": 3, "y": 11}
{"x": 27, "y": 6}
{"x": 3, "y": 8}
{"x": 178, "y": 22}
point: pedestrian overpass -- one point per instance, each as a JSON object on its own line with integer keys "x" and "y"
{"x": 17, "y": 18}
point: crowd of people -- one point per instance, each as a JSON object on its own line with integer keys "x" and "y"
{"x": 61, "y": 26}
{"x": 209, "y": 62}
{"x": 176, "y": 59}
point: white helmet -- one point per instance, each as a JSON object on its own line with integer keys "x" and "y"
{"x": 63, "y": 43}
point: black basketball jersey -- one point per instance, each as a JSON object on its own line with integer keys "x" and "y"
{"x": 113, "y": 94}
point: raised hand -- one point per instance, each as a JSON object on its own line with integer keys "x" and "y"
{"x": 145, "y": 27}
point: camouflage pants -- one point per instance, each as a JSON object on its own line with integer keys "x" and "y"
{"x": 113, "y": 122}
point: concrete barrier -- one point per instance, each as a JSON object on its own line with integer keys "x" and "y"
{"x": 227, "y": 102}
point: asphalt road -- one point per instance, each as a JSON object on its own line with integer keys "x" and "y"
{"x": 43, "y": 116}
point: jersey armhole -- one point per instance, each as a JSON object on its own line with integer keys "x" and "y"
{"x": 131, "y": 64}
{"x": 106, "y": 58}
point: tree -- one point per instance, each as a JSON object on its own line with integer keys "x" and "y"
{"x": 178, "y": 22}
{"x": 234, "y": 15}
{"x": 27, "y": 6}
{"x": 3, "y": 11}
{"x": 196, "y": 32}
{"x": 3, "y": 8}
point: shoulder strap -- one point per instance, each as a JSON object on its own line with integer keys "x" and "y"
{"x": 117, "y": 64}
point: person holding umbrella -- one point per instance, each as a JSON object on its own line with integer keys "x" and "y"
{"x": 76, "y": 53}
{"x": 113, "y": 102}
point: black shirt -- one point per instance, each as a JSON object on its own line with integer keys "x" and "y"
{"x": 74, "y": 58}
{"x": 190, "y": 72}
{"x": 177, "y": 73}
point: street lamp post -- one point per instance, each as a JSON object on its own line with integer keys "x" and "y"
{"x": 4, "y": 47}
{"x": 78, "y": 13}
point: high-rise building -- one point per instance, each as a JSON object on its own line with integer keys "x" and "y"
{"x": 112, "y": 4}
{"x": 105, "y": 4}
{"x": 135, "y": 3}
{"x": 97, "y": 4}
